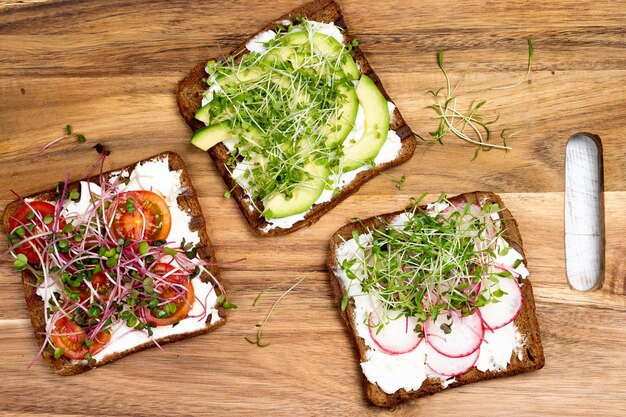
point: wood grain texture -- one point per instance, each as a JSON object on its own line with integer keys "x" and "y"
{"x": 110, "y": 69}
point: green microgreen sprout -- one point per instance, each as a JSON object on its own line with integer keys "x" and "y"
{"x": 79, "y": 137}
{"x": 130, "y": 205}
{"x": 93, "y": 311}
{"x": 58, "y": 352}
{"x": 74, "y": 195}
{"x": 528, "y": 69}
{"x": 170, "y": 251}
{"x": 21, "y": 262}
{"x": 143, "y": 248}
{"x": 400, "y": 183}
{"x": 91, "y": 362}
{"x": 258, "y": 341}
{"x": 148, "y": 284}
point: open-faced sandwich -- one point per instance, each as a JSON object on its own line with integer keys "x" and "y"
{"x": 436, "y": 296}
{"x": 295, "y": 119}
{"x": 115, "y": 264}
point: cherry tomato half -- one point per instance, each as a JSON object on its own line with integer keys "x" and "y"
{"x": 20, "y": 219}
{"x": 146, "y": 216}
{"x": 182, "y": 298}
{"x": 69, "y": 336}
{"x": 100, "y": 283}
{"x": 99, "y": 342}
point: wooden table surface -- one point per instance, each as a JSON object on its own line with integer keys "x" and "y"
{"x": 110, "y": 70}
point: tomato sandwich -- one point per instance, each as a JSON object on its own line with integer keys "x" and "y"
{"x": 115, "y": 264}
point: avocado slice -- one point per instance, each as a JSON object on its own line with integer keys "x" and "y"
{"x": 325, "y": 44}
{"x": 303, "y": 197}
{"x": 240, "y": 77}
{"x": 338, "y": 127}
{"x": 203, "y": 114}
{"x": 209, "y": 136}
{"x": 376, "y": 126}
{"x": 248, "y": 75}
{"x": 343, "y": 122}
{"x": 329, "y": 45}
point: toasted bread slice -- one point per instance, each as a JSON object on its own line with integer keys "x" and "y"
{"x": 526, "y": 321}
{"x": 187, "y": 201}
{"x": 189, "y": 97}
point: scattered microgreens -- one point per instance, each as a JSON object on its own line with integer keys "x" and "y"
{"x": 259, "y": 334}
{"x": 281, "y": 110}
{"x": 221, "y": 300}
{"x": 400, "y": 183}
{"x": 68, "y": 132}
{"x": 94, "y": 279}
{"x": 471, "y": 126}
{"x": 527, "y": 75}
{"x": 429, "y": 264}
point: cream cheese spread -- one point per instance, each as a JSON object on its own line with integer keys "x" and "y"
{"x": 409, "y": 370}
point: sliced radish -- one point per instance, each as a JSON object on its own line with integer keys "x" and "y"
{"x": 496, "y": 315}
{"x": 464, "y": 221}
{"x": 446, "y": 366}
{"x": 474, "y": 210}
{"x": 464, "y": 336}
{"x": 397, "y": 336}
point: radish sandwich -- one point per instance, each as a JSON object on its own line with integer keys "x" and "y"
{"x": 436, "y": 296}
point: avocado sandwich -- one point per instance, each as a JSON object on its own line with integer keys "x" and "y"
{"x": 295, "y": 119}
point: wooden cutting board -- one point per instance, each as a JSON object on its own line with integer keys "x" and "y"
{"x": 110, "y": 70}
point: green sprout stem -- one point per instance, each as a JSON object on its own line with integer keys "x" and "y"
{"x": 528, "y": 69}
{"x": 259, "y": 334}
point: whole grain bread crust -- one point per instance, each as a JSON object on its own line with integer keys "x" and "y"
{"x": 188, "y": 202}
{"x": 526, "y": 321}
{"x": 189, "y": 96}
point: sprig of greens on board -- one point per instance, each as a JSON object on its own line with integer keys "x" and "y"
{"x": 530, "y": 63}
{"x": 258, "y": 340}
{"x": 80, "y": 138}
{"x": 473, "y": 125}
